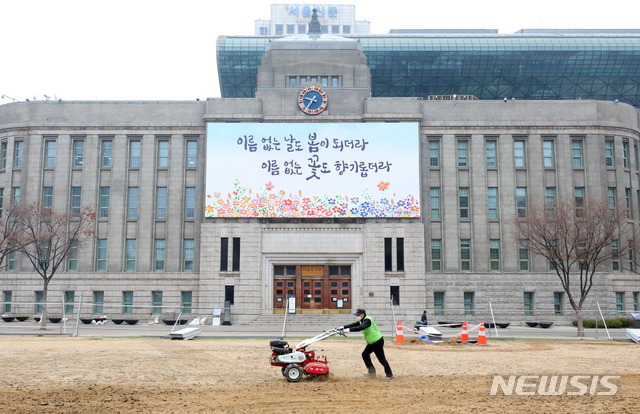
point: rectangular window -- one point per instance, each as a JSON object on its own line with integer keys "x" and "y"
{"x": 69, "y": 299}
{"x": 434, "y": 153}
{"x": 130, "y": 255}
{"x": 192, "y": 154}
{"x": 134, "y": 153}
{"x": 334, "y": 81}
{"x": 292, "y": 82}
{"x": 636, "y": 303}
{"x": 235, "y": 255}
{"x": 47, "y": 197}
{"x": 465, "y": 255}
{"x": 72, "y": 258}
{"x": 78, "y": 153}
{"x": 229, "y": 294}
{"x": 6, "y": 298}
{"x": 578, "y": 193}
{"x": 101, "y": 257}
{"x": 291, "y": 28}
{"x": 620, "y": 303}
{"x": 324, "y": 80}
{"x": 185, "y": 302}
{"x": 49, "y": 154}
{"x": 190, "y": 202}
{"x": 224, "y": 254}
{"x": 127, "y": 303}
{"x": 521, "y": 201}
{"x": 615, "y": 257}
{"x": 279, "y": 29}
{"x": 132, "y": 211}
{"x": 159, "y": 254}
{"x": 528, "y": 303}
{"x": 436, "y": 255}
{"x": 558, "y": 297}
{"x": 438, "y": 303}
{"x": 106, "y": 153}
{"x": 104, "y": 201}
{"x": 519, "y": 154}
{"x": 98, "y": 302}
{"x": 434, "y": 202}
{"x": 469, "y": 303}
{"x": 550, "y": 199}
{"x": 15, "y": 196}
{"x": 394, "y": 295}
{"x": 608, "y": 153}
{"x": 388, "y": 258}
{"x": 492, "y": 200}
{"x": 161, "y": 203}
{"x": 3, "y": 155}
{"x": 576, "y": 152}
{"x": 611, "y": 197}
{"x": 302, "y": 29}
{"x": 11, "y": 261}
{"x": 463, "y": 153}
{"x": 17, "y": 154}
{"x": 625, "y": 154}
{"x": 1, "y": 200}
{"x": 163, "y": 154}
{"x": 490, "y": 150}
{"x": 188, "y": 255}
{"x": 494, "y": 255}
{"x": 627, "y": 199}
{"x": 76, "y": 199}
{"x": 523, "y": 255}
{"x": 39, "y": 300}
{"x": 156, "y": 303}
{"x": 463, "y": 200}
{"x": 547, "y": 153}
{"x": 400, "y": 254}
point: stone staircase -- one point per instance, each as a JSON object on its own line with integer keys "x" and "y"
{"x": 304, "y": 322}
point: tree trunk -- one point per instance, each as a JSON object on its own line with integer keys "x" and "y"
{"x": 580, "y": 323}
{"x": 43, "y": 317}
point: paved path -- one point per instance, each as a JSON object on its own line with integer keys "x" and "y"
{"x": 143, "y": 329}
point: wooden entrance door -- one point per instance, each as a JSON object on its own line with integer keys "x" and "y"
{"x": 312, "y": 288}
{"x": 317, "y": 288}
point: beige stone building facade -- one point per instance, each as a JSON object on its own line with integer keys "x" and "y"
{"x": 142, "y": 166}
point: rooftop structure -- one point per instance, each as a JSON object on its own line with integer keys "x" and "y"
{"x": 563, "y": 65}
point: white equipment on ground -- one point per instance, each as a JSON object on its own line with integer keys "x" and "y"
{"x": 634, "y": 335}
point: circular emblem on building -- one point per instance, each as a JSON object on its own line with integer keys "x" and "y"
{"x": 312, "y": 100}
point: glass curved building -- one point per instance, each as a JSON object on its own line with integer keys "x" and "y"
{"x": 533, "y": 66}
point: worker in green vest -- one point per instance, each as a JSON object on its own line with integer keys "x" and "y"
{"x": 375, "y": 343}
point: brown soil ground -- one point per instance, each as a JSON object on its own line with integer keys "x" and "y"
{"x": 122, "y": 375}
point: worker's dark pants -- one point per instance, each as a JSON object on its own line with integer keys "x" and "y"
{"x": 378, "y": 349}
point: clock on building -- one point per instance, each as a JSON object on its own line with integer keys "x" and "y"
{"x": 312, "y": 100}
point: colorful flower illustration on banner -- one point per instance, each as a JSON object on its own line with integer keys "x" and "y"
{"x": 272, "y": 202}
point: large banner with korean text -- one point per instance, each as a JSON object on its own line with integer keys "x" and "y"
{"x": 299, "y": 170}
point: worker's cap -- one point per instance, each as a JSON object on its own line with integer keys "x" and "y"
{"x": 360, "y": 312}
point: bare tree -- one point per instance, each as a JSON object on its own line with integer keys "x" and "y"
{"x": 11, "y": 220}
{"x": 577, "y": 237}
{"x": 48, "y": 237}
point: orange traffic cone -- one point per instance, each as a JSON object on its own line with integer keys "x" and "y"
{"x": 399, "y": 334}
{"x": 464, "y": 337}
{"x": 482, "y": 336}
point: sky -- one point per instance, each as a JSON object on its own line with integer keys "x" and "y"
{"x": 165, "y": 50}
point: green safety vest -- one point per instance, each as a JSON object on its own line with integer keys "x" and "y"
{"x": 372, "y": 333}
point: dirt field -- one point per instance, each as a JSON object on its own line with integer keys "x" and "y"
{"x": 83, "y": 375}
